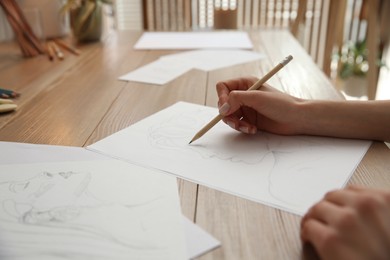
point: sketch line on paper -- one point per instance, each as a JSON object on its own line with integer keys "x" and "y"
{"x": 172, "y": 134}
{"x": 28, "y": 203}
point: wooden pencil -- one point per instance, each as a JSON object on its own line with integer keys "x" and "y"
{"x": 67, "y": 47}
{"x": 255, "y": 86}
{"x": 57, "y": 50}
{"x": 50, "y": 51}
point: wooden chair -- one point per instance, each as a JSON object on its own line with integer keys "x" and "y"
{"x": 167, "y": 15}
{"x": 323, "y": 26}
{"x": 173, "y": 15}
{"x": 312, "y": 22}
{"x": 315, "y": 23}
{"x": 369, "y": 20}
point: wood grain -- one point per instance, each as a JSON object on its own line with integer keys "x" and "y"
{"x": 80, "y": 100}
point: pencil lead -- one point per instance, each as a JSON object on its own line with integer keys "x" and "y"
{"x": 194, "y": 139}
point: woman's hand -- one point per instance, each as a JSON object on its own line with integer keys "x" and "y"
{"x": 353, "y": 223}
{"x": 264, "y": 109}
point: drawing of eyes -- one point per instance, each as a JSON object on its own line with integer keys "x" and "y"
{"x": 66, "y": 175}
{"x": 48, "y": 174}
{"x": 19, "y": 187}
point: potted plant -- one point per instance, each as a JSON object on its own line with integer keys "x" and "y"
{"x": 86, "y": 18}
{"x": 353, "y": 67}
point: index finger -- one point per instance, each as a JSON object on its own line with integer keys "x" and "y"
{"x": 225, "y": 87}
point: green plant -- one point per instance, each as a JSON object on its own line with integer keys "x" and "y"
{"x": 353, "y": 60}
{"x": 74, "y": 4}
{"x": 86, "y": 18}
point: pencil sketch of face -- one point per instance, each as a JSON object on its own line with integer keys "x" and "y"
{"x": 44, "y": 192}
{"x": 287, "y": 161}
{"x": 65, "y": 205}
{"x": 175, "y": 133}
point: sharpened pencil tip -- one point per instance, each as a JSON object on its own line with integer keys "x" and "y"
{"x": 193, "y": 139}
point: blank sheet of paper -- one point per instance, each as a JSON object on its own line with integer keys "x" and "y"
{"x": 198, "y": 240}
{"x": 287, "y": 172}
{"x": 158, "y": 72}
{"x": 193, "y": 40}
{"x": 169, "y": 67}
{"x": 22, "y": 153}
{"x": 208, "y": 60}
{"x": 89, "y": 210}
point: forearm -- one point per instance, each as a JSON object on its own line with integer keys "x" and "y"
{"x": 346, "y": 119}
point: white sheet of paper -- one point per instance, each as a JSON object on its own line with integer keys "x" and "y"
{"x": 89, "y": 210}
{"x": 21, "y": 153}
{"x": 287, "y": 172}
{"x": 158, "y": 72}
{"x": 169, "y": 67}
{"x": 208, "y": 60}
{"x": 25, "y": 153}
{"x": 199, "y": 239}
{"x": 193, "y": 40}
{"x": 199, "y": 242}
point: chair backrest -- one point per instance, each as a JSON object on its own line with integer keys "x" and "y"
{"x": 267, "y": 13}
{"x": 170, "y": 15}
{"x": 369, "y": 20}
{"x": 167, "y": 15}
{"x": 359, "y": 16}
{"x": 308, "y": 21}
{"x": 312, "y": 22}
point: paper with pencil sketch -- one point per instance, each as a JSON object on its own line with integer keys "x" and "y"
{"x": 105, "y": 209}
{"x": 286, "y": 172}
{"x": 25, "y": 153}
{"x": 169, "y": 67}
{"x": 193, "y": 40}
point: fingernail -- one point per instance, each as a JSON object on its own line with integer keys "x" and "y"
{"x": 231, "y": 124}
{"x": 244, "y": 129}
{"x": 224, "y": 109}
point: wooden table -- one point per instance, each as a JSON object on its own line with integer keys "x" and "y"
{"x": 80, "y": 100}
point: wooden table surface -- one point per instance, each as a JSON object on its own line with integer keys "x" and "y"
{"x": 80, "y": 100}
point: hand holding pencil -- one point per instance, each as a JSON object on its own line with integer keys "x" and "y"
{"x": 225, "y": 92}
